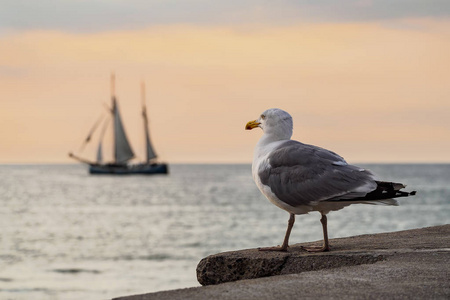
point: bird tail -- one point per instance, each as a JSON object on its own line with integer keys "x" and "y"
{"x": 388, "y": 190}
{"x": 384, "y": 194}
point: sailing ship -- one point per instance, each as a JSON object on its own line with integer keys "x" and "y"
{"x": 123, "y": 152}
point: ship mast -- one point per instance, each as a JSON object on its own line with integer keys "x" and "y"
{"x": 150, "y": 153}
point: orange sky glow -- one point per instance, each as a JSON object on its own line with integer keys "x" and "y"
{"x": 372, "y": 92}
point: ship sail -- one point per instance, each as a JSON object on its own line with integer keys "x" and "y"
{"x": 150, "y": 152}
{"x": 99, "y": 153}
{"x": 122, "y": 151}
{"x": 100, "y": 143}
{"x": 122, "y": 148}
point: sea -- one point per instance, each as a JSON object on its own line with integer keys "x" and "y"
{"x": 65, "y": 234}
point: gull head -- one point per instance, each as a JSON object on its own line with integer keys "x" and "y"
{"x": 274, "y": 122}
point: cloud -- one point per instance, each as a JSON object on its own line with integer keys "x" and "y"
{"x": 369, "y": 92}
{"x": 7, "y": 71}
{"x": 101, "y": 15}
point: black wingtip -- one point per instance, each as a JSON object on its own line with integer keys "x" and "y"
{"x": 412, "y": 193}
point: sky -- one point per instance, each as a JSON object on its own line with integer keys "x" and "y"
{"x": 369, "y": 80}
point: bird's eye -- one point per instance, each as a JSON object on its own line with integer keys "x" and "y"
{"x": 263, "y": 117}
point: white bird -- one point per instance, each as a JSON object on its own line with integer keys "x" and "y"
{"x": 301, "y": 178}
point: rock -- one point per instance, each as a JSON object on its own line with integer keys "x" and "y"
{"x": 250, "y": 264}
{"x": 365, "y": 249}
{"x": 409, "y": 264}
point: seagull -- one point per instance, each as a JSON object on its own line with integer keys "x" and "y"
{"x": 301, "y": 178}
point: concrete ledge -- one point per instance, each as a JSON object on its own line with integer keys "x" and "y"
{"x": 250, "y": 264}
{"x": 364, "y": 249}
{"x": 412, "y": 264}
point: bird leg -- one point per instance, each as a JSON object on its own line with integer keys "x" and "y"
{"x": 284, "y": 246}
{"x": 325, "y": 246}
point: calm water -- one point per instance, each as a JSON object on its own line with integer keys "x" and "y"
{"x": 68, "y": 235}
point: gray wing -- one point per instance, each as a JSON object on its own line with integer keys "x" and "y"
{"x": 300, "y": 174}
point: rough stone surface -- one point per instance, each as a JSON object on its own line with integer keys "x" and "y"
{"x": 413, "y": 264}
{"x": 364, "y": 249}
{"x": 249, "y": 264}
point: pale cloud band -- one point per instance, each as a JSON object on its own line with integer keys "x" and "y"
{"x": 368, "y": 79}
{"x": 372, "y": 93}
{"x": 101, "y": 15}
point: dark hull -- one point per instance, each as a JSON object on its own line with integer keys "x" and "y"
{"x": 147, "y": 169}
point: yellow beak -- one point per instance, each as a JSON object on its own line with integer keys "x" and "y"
{"x": 252, "y": 124}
